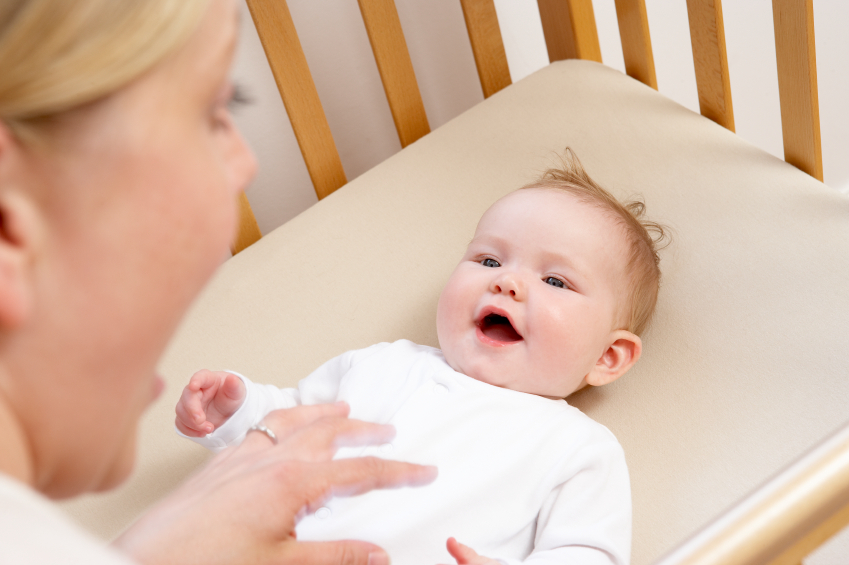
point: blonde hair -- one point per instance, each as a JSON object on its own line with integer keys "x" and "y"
{"x": 56, "y": 55}
{"x": 644, "y": 237}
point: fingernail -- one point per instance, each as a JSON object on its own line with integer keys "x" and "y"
{"x": 378, "y": 558}
{"x": 427, "y": 476}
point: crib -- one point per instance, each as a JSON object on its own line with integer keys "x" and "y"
{"x": 732, "y": 423}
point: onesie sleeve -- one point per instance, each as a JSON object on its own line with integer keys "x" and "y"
{"x": 260, "y": 399}
{"x": 586, "y": 519}
{"x": 321, "y": 386}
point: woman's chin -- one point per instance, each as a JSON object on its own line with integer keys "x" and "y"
{"x": 119, "y": 471}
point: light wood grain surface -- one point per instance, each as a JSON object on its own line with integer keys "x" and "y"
{"x": 570, "y": 30}
{"x": 294, "y": 81}
{"x": 487, "y": 45}
{"x": 636, "y": 41}
{"x": 248, "y": 228}
{"x": 814, "y": 539}
{"x": 707, "y": 35}
{"x": 784, "y": 519}
{"x": 797, "y": 84}
{"x": 396, "y": 69}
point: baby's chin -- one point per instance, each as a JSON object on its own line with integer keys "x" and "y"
{"x": 484, "y": 376}
{"x": 511, "y": 383}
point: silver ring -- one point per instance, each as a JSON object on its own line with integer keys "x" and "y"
{"x": 261, "y": 428}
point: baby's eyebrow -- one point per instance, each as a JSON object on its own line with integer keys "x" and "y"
{"x": 489, "y": 239}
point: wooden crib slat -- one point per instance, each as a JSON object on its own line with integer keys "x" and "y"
{"x": 294, "y": 81}
{"x": 570, "y": 30}
{"x": 797, "y": 84}
{"x": 636, "y": 41}
{"x": 396, "y": 69}
{"x": 248, "y": 228}
{"x": 707, "y": 35}
{"x": 487, "y": 45}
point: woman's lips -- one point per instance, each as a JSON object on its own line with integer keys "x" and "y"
{"x": 157, "y": 387}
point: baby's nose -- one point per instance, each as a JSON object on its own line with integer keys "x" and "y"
{"x": 509, "y": 284}
{"x": 503, "y": 289}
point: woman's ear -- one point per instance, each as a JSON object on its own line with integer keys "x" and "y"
{"x": 20, "y": 224}
{"x": 624, "y": 350}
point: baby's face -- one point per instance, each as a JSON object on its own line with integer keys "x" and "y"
{"x": 532, "y": 306}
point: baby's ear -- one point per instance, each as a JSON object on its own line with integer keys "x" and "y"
{"x": 624, "y": 350}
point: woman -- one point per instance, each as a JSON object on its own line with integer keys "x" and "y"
{"x": 119, "y": 168}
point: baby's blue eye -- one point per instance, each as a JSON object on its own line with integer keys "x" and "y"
{"x": 553, "y": 281}
{"x": 489, "y": 262}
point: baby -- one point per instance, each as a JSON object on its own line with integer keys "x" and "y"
{"x": 551, "y": 295}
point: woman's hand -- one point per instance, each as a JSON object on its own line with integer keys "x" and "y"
{"x": 243, "y": 506}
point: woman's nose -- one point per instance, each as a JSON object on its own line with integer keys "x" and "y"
{"x": 243, "y": 165}
{"x": 510, "y": 284}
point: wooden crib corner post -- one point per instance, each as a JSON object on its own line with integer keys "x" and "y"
{"x": 569, "y": 29}
{"x": 487, "y": 45}
{"x": 707, "y": 35}
{"x": 795, "y": 54}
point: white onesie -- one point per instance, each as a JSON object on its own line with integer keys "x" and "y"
{"x": 522, "y": 478}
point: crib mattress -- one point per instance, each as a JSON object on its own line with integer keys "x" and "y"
{"x": 743, "y": 368}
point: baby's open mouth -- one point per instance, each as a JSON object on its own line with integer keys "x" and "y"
{"x": 498, "y": 328}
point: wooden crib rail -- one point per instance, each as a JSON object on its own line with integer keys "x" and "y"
{"x": 570, "y": 32}
{"x": 782, "y": 521}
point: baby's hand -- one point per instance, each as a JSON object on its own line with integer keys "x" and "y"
{"x": 466, "y": 555}
{"x": 209, "y": 399}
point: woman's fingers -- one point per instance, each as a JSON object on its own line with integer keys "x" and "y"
{"x": 336, "y": 553}
{"x": 320, "y": 440}
{"x": 288, "y": 421}
{"x": 247, "y": 501}
{"x": 350, "y": 477}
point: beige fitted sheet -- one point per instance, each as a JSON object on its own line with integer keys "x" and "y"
{"x": 743, "y": 368}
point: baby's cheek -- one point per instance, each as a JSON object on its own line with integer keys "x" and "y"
{"x": 449, "y": 324}
{"x": 450, "y": 303}
{"x": 445, "y": 330}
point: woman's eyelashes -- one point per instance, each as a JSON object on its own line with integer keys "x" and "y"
{"x": 230, "y": 98}
{"x": 238, "y": 98}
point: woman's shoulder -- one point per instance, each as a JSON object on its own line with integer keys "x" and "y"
{"x": 34, "y": 530}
